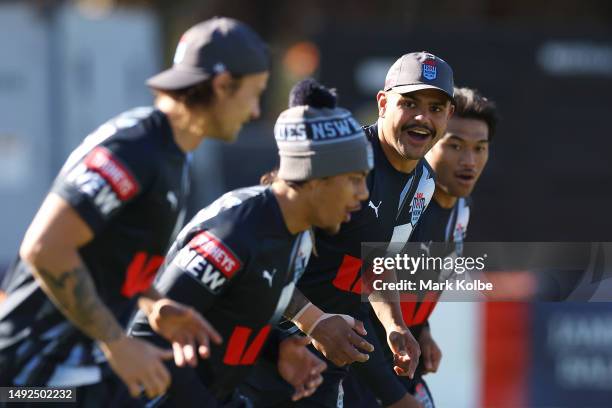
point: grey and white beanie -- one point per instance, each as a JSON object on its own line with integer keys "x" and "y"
{"x": 317, "y": 139}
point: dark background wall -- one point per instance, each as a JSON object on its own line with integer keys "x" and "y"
{"x": 549, "y": 174}
{"x": 547, "y": 63}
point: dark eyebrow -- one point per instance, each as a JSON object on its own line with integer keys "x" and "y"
{"x": 460, "y": 139}
{"x": 453, "y": 136}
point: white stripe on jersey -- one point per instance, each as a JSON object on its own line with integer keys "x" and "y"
{"x": 404, "y": 192}
{"x": 463, "y": 218}
{"x": 426, "y": 186}
{"x": 225, "y": 202}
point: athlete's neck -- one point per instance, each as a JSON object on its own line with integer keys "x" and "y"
{"x": 444, "y": 199}
{"x": 292, "y": 207}
{"x": 398, "y": 162}
{"x": 188, "y": 127}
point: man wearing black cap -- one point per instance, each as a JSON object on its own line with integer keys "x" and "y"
{"x": 101, "y": 233}
{"x": 414, "y": 108}
{"x": 237, "y": 262}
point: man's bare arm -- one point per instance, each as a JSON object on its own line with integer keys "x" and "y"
{"x": 405, "y": 348}
{"x": 297, "y": 303}
{"x": 74, "y": 293}
{"x": 147, "y": 299}
{"x": 51, "y": 248}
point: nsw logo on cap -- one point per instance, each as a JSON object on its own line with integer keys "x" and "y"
{"x": 181, "y": 48}
{"x": 430, "y": 71}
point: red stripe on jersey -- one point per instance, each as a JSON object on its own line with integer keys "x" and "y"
{"x": 235, "y": 354}
{"x": 102, "y": 161}
{"x": 357, "y": 287}
{"x": 216, "y": 252}
{"x": 366, "y": 282}
{"x": 408, "y": 308}
{"x": 425, "y": 308}
{"x": 347, "y": 273}
{"x": 253, "y": 351}
{"x": 140, "y": 273}
{"x": 417, "y": 312}
{"x": 236, "y": 345}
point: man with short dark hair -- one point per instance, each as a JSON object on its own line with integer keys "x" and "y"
{"x": 101, "y": 233}
{"x": 458, "y": 160}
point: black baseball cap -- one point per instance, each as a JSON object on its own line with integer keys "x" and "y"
{"x": 211, "y": 47}
{"x": 420, "y": 70}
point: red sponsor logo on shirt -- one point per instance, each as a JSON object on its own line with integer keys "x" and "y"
{"x": 102, "y": 161}
{"x": 140, "y": 273}
{"x": 216, "y": 252}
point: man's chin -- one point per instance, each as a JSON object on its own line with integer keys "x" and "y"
{"x": 461, "y": 192}
{"x": 411, "y": 153}
{"x": 333, "y": 230}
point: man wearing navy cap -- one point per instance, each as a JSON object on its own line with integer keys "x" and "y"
{"x": 458, "y": 160}
{"x": 95, "y": 244}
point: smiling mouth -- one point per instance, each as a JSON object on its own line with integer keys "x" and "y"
{"x": 419, "y": 134}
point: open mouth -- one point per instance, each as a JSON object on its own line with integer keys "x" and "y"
{"x": 466, "y": 178}
{"x": 419, "y": 134}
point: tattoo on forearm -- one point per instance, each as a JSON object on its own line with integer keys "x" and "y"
{"x": 74, "y": 293}
{"x": 57, "y": 281}
{"x": 297, "y": 302}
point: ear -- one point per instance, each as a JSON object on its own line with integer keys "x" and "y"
{"x": 311, "y": 185}
{"x": 381, "y": 99}
{"x": 222, "y": 85}
{"x": 451, "y": 111}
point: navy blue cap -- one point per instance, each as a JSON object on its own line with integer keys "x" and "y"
{"x": 211, "y": 47}
{"x": 420, "y": 70}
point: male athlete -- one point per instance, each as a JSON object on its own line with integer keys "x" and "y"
{"x": 102, "y": 231}
{"x": 414, "y": 108}
{"x": 237, "y": 262}
{"x": 458, "y": 160}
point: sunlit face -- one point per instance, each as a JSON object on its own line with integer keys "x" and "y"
{"x": 460, "y": 156}
{"x": 412, "y": 123}
{"x": 237, "y": 106}
{"x": 334, "y": 198}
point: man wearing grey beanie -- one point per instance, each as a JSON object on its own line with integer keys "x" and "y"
{"x": 238, "y": 260}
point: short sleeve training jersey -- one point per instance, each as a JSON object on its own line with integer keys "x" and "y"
{"x": 128, "y": 181}
{"x": 444, "y": 224}
{"x": 437, "y": 225}
{"x": 332, "y": 280}
{"x": 236, "y": 263}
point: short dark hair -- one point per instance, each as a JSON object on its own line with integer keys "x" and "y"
{"x": 199, "y": 94}
{"x": 270, "y": 177}
{"x": 470, "y": 104}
